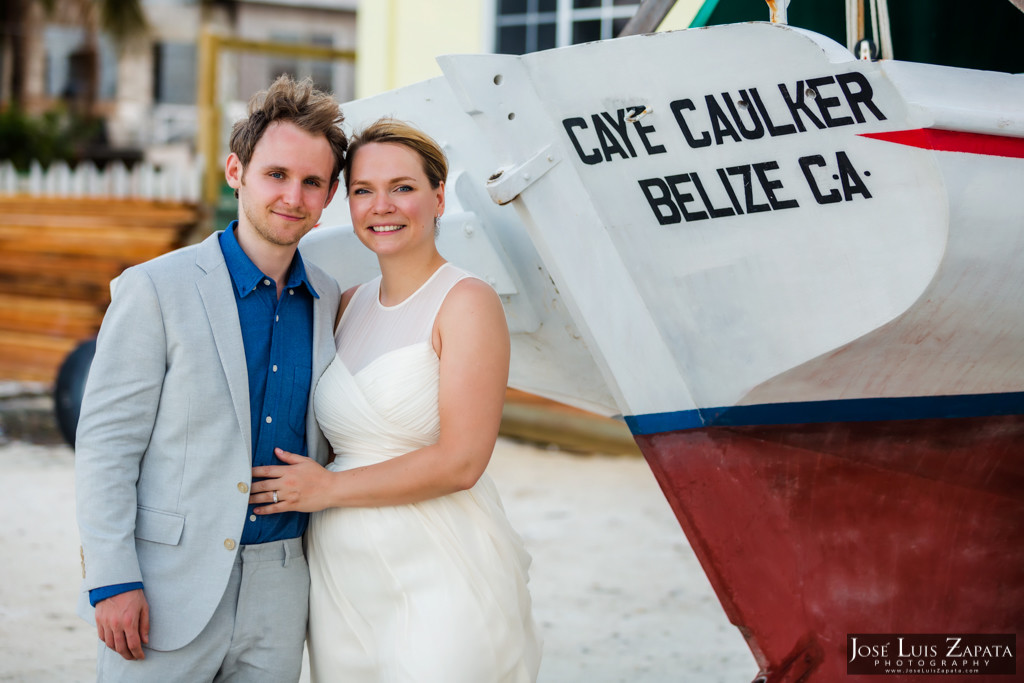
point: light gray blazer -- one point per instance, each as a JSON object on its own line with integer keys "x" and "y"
{"x": 163, "y": 449}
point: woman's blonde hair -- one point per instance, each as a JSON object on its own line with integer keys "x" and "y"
{"x": 435, "y": 164}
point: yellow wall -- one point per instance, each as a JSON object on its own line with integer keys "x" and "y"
{"x": 397, "y": 40}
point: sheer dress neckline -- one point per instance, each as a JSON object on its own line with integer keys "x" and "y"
{"x": 412, "y": 296}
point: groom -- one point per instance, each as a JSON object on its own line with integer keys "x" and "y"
{"x": 205, "y": 363}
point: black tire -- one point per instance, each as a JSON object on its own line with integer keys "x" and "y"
{"x": 67, "y": 394}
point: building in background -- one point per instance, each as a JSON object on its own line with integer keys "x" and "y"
{"x": 147, "y": 87}
{"x": 399, "y": 39}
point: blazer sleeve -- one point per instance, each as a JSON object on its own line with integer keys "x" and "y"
{"x": 119, "y": 409}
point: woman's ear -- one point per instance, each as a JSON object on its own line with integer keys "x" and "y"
{"x": 440, "y": 200}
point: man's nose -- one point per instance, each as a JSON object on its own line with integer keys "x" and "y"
{"x": 292, "y": 194}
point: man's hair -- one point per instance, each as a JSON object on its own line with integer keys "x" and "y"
{"x": 435, "y": 164}
{"x": 297, "y": 102}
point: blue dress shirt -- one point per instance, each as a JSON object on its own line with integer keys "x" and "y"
{"x": 278, "y": 339}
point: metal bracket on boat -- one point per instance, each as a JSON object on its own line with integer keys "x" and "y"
{"x": 508, "y": 183}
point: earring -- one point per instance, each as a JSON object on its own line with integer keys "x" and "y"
{"x": 236, "y": 194}
{"x": 437, "y": 226}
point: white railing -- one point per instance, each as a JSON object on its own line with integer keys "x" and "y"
{"x": 171, "y": 124}
{"x": 177, "y": 183}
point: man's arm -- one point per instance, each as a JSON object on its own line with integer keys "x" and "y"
{"x": 118, "y": 412}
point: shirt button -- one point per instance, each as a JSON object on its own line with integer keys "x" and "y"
{"x": 291, "y": 291}
{"x": 266, "y": 282}
{"x": 252, "y": 518}
{"x": 275, "y": 368}
{"x": 269, "y": 419}
{"x": 243, "y": 487}
{"x": 229, "y": 544}
{"x": 276, "y": 318}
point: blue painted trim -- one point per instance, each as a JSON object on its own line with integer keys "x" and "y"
{"x": 846, "y": 410}
{"x": 704, "y": 14}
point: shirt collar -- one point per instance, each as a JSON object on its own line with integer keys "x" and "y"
{"x": 246, "y": 276}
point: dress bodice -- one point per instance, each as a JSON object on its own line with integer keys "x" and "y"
{"x": 379, "y": 397}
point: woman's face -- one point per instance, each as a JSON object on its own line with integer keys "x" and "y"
{"x": 390, "y": 198}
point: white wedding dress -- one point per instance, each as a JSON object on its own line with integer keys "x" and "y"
{"x": 433, "y": 592}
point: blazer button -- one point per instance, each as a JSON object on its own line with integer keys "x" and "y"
{"x": 243, "y": 487}
{"x": 229, "y": 544}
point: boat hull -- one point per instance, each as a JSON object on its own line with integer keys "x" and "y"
{"x": 709, "y": 230}
{"x": 811, "y": 532}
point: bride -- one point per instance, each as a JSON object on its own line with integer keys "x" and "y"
{"x": 416, "y": 575}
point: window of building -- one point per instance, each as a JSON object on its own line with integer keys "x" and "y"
{"x": 531, "y": 25}
{"x": 66, "y": 71}
{"x": 174, "y": 73}
{"x": 322, "y": 72}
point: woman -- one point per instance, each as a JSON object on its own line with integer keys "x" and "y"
{"x": 416, "y": 574}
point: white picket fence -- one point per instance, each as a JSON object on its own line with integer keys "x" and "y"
{"x": 179, "y": 182}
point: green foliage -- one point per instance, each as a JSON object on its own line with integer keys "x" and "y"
{"x": 55, "y": 136}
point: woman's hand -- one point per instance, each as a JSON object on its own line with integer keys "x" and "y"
{"x": 301, "y": 485}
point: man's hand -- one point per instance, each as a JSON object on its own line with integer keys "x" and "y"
{"x": 122, "y": 622}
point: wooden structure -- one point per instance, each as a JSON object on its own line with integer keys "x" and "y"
{"x": 57, "y": 258}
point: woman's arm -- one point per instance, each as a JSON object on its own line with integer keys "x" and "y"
{"x": 471, "y": 338}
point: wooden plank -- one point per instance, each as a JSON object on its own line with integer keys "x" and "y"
{"x": 538, "y": 420}
{"x": 56, "y": 317}
{"x": 127, "y": 246}
{"x": 85, "y": 206}
{"x": 81, "y": 220}
{"x": 59, "y": 274}
{"x": 33, "y": 357}
{"x": 57, "y": 258}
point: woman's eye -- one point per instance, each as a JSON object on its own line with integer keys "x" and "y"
{"x": 359, "y": 191}
{"x": 403, "y": 188}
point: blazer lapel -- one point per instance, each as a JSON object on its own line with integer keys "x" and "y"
{"x": 324, "y": 313}
{"x": 222, "y": 314}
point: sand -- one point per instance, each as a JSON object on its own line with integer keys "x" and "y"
{"x": 617, "y": 591}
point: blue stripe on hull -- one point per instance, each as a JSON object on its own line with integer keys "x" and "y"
{"x": 845, "y": 410}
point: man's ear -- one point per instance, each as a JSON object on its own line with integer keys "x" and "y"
{"x": 330, "y": 195}
{"x": 233, "y": 171}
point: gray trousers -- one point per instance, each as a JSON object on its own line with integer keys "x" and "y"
{"x": 255, "y": 635}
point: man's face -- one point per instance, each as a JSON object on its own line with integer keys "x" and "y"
{"x": 286, "y": 185}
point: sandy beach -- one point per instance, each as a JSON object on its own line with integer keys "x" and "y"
{"x": 617, "y": 591}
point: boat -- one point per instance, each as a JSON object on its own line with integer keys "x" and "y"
{"x": 797, "y": 276}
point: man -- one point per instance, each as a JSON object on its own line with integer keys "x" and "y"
{"x": 204, "y": 364}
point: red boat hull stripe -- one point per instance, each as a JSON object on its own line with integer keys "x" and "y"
{"x": 955, "y": 141}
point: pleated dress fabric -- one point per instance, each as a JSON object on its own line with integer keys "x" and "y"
{"x": 434, "y": 591}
